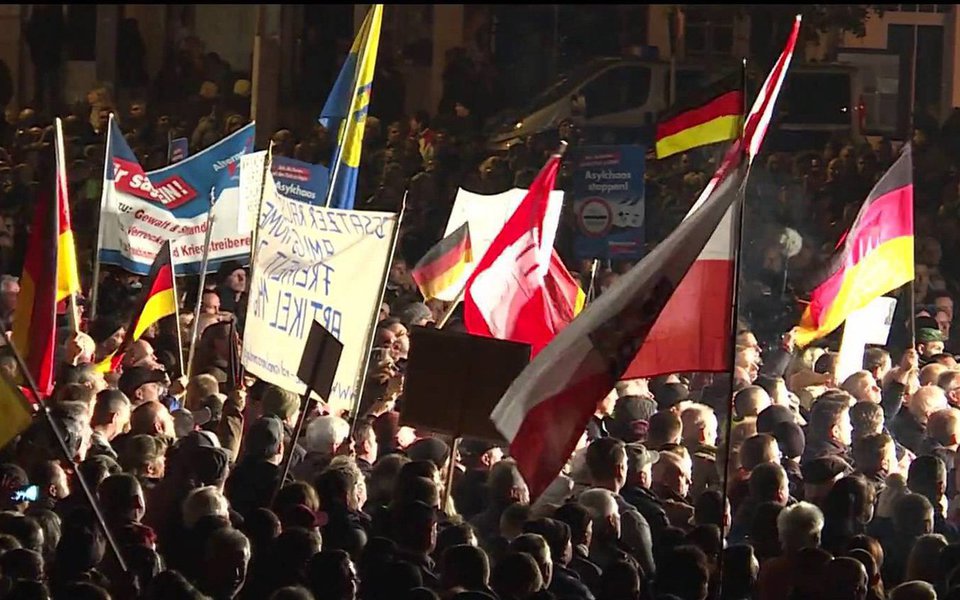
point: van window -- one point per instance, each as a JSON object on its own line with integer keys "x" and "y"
{"x": 816, "y": 99}
{"x": 617, "y": 90}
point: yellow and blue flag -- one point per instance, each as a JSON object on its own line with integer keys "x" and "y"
{"x": 350, "y": 96}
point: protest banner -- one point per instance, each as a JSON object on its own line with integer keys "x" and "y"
{"x": 608, "y": 201}
{"x": 486, "y": 214}
{"x": 140, "y": 211}
{"x": 869, "y": 325}
{"x": 314, "y": 264}
{"x": 301, "y": 181}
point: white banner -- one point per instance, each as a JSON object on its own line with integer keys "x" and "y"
{"x": 487, "y": 214}
{"x": 869, "y": 325}
{"x": 140, "y": 211}
{"x": 314, "y": 263}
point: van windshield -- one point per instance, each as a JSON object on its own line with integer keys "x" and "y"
{"x": 816, "y": 99}
{"x": 563, "y": 86}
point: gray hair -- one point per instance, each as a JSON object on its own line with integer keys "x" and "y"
{"x": 326, "y": 433}
{"x": 599, "y": 503}
{"x": 799, "y": 526}
{"x": 204, "y": 502}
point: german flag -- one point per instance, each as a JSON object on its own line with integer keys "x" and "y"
{"x": 15, "y": 411}
{"x": 68, "y": 280}
{"x": 874, "y": 257}
{"x": 35, "y": 316}
{"x": 159, "y": 300}
{"x": 708, "y": 118}
{"x": 443, "y": 264}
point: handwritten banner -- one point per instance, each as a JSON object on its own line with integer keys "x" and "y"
{"x": 314, "y": 263}
{"x": 140, "y": 210}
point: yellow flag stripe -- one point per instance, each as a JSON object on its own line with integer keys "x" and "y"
{"x": 158, "y": 306}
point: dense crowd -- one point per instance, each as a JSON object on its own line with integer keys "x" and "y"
{"x": 799, "y": 485}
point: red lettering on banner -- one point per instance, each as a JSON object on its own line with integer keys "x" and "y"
{"x": 130, "y": 178}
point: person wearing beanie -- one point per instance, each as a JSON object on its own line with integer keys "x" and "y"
{"x": 284, "y": 405}
{"x": 231, "y": 285}
{"x": 790, "y": 439}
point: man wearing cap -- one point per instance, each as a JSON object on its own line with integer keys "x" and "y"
{"x": 143, "y": 384}
{"x": 469, "y": 488}
{"x": 637, "y": 489}
{"x": 253, "y": 481}
{"x": 284, "y": 405}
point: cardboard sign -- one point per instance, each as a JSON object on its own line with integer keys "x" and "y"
{"x": 321, "y": 356}
{"x": 454, "y": 380}
{"x": 869, "y": 325}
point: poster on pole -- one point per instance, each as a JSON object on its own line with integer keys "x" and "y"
{"x": 608, "y": 201}
{"x": 179, "y": 149}
{"x": 140, "y": 211}
{"x": 869, "y": 325}
{"x": 314, "y": 264}
{"x": 486, "y": 214}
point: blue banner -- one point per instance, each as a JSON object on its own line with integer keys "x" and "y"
{"x": 301, "y": 181}
{"x": 179, "y": 149}
{"x": 608, "y": 202}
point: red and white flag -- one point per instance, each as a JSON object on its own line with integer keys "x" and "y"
{"x": 520, "y": 290}
{"x": 547, "y": 407}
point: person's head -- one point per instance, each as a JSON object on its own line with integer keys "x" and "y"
{"x": 759, "y": 449}
{"x": 264, "y": 440}
{"x": 22, "y": 564}
{"x": 913, "y": 590}
{"x": 790, "y": 440}
{"x": 949, "y": 382}
{"x": 536, "y": 547}
{"x": 699, "y": 426}
{"x": 144, "y": 456}
{"x": 772, "y": 416}
{"x": 799, "y": 527}
{"x": 152, "y": 418}
{"x": 683, "y": 572}
{"x": 851, "y": 498}
{"x": 930, "y": 374}
{"x": 331, "y": 574}
{"x": 50, "y": 477}
{"x": 875, "y": 454}
{"x": 750, "y": 401}
{"x": 383, "y": 477}
{"x": 672, "y": 474}
{"x": 578, "y": 519}
{"x": 280, "y": 403}
{"x": 621, "y": 581}
{"x": 224, "y": 564}
{"x": 325, "y": 434}
{"x": 505, "y": 484}
{"x": 516, "y": 577}
{"x": 462, "y": 534}
{"x": 943, "y": 427}
{"x": 846, "y": 577}
{"x": 233, "y": 277}
{"x": 365, "y": 441}
{"x": 342, "y": 484}
{"x": 210, "y": 302}
{"x": 711, "y": 508}
{"x": 928, "y": 477}
{"x": 665, "y": 428}
{"x": 512, "y": 520}
{"x": 924, "y": 560}
{"x": 415, "y": 526}
{"x": 204, "y": 502}
{"x": 913, "y": 516}
{"x": 557, "y": 535}
{"x": 607, "y": 462}
{"x": 199, "y": 388}
{"x": 85, "y": 374}
{"x": 604, "y": 514}
{"x": 926, "y": 401}
{"x": 862, "y": 386}
{"x": 122, "y": 497}
{"x": 929, "y": 340}
{"x": 830, "y": 420}
{"x": 640, "y": 463}
{"x": 877, "y": 362}
{"x": 420, "y": 121}
{"x": 768, "y": 483}
{"x": 9, "y": 292}
{"x": 111, "y": 413}
{"x": 866, "y": 419}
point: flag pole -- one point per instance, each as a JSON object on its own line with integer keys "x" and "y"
{"x": 195, "y": 326}
{"x": 591, "y": 287}
{"x": 95, "y": 287}
{"x": 738, "y": 216}
{"x": 368, "y": 343}
{"x": 255, "y": 235}
{"x": 87, "y": 489}
{"x": 354, "y": 100}
{"x": 176, "y": 306}
{"x": 73, "y": 312}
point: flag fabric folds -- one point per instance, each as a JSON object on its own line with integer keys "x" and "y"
{"x": 546, "y": 409}
{"x": 713, "y": 116}
{"x": 158, "y": 300}
{"x": 35, "y": 316}
{"x": 15, "y": 411}
{"x": 68, "y": 279}
{"x": 443, "y": 265}
{"x": 520, "y": 290}
{"x": 346, "y": 108}
{"x": 875, "y": 256}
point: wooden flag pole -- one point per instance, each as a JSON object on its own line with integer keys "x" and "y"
{"x": 60, "y": 176}
{"x": 107, "y": 166}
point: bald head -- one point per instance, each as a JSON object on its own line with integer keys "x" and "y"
{"x": 750, "y": 401}
{"x": 140, "y": 354}
{"x": 943, "y": 427}
{"x": 152, "y": 418}
{"x": 930, "y": 374}
{"x": 928, "y": 400}
{"x": 949, "y": 382}
{"x": 863, "y": 387}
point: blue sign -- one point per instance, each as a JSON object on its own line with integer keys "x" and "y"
{"x": 301, "y": 181}
{"x": 179, "y": 149}
{"x": 608, "y": 201}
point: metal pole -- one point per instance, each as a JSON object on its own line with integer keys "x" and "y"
{"x": 255, "y": 234}
{"x": 107, "y": 164}
{"x": 87, "y": 490}
{"x": 73, "y": 312}
{"x": 368, "y": 343}
{"x": 195, "y": 326}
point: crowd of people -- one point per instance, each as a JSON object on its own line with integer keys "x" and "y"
{"x": 800, "y": 485}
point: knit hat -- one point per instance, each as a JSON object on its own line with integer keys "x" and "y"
{"x": 431, "y": 449}
{"x": 671, "y": 394}
{"x": 928, "y": 335}
{"x": 824, "y": 469}
{"x": 789, "y": 437}
{"x": 772, "y": 416}
{"x": 264, "y": 438}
